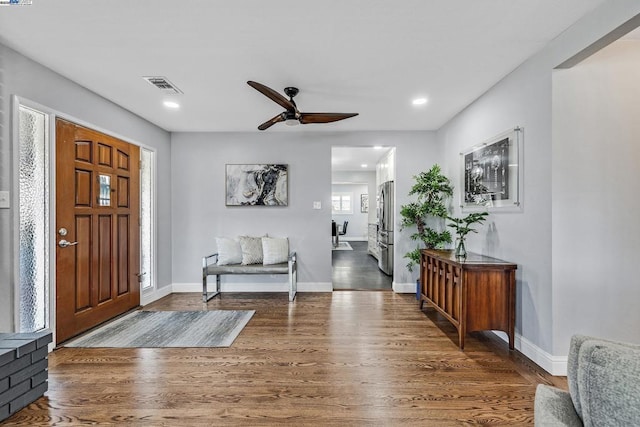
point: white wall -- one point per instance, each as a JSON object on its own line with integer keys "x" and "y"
{"x": 22, "y": 77}
{"x": 199, "y": 212}
{"x": 358, "y": 221}
{"x": 596, "y": 170}
{"x": 368, "y": 177}
{"x": 523, "y": 98}
{"x": 368, "y": 181}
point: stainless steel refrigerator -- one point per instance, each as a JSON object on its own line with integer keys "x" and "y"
{"x": 385, "y": 227}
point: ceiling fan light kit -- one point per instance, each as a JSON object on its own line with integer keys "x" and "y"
{"x": 292, "y": 116}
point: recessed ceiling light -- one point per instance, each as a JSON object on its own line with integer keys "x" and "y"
{"x": 171, "y": 104}
{"x": 419, "y": 101}
{"x": 363, "y": 165}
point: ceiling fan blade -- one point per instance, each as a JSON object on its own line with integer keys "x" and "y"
{"x": 279, "y": 118}
{"x": 306, "y": 118}
{"x": 273, "y": 95}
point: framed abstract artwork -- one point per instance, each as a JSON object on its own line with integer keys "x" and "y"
{"x": 491, "y": 173}
{"x": 257, "y": 185}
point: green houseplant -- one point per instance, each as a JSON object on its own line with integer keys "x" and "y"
{"x": 462, "y": 226}
{"x": 427, "y": 212}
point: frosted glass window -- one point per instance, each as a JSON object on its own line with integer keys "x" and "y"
{"x": 146, "y": 219}
{"x": 34, "y": 220}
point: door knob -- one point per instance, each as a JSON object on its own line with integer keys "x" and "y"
{"x": 63, "y": 243}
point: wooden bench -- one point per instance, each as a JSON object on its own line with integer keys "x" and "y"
{"x": 213, "y": 269}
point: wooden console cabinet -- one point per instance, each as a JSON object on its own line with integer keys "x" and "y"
{"x": 474, "y": 294}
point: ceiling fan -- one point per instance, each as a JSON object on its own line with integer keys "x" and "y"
{"x": 292, "y": 115}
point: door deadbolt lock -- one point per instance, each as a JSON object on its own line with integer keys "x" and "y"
{"x": 63, "y": 231}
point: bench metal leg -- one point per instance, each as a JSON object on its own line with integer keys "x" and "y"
{"x": 206, "y": 296}
{"x": 293, "y": 280}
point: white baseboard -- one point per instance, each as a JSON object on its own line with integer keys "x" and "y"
{"x": 254, "y": 287}
{"x": 404, "y": 288}
{"x": 149, "y": 297}
{"x": 315, "y": 287}
{"x": 555, "y": 365}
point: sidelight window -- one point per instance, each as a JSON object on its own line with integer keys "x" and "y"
{"x": 146, "y": 219}
{"x": 33, "y": 208}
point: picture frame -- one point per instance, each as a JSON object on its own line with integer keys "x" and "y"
{"x": 364, "y": 203}
{"x": 491, "y": 173}
{"x": 262, "y": 184}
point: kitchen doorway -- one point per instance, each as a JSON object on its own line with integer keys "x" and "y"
{"x": 356, "y": 174}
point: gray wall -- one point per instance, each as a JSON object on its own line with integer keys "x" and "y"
{"x": 524, "y": 98}
{"x": 596, "y": 159}
{"x": 199, "y": 212}
{"x": 27, "y": 79}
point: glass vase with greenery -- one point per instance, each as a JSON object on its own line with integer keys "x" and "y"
{"x": 428, "y": 212}
{"x": 462, "y": 226}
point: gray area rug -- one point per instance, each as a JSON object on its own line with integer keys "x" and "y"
{"x": 216, "y": 328}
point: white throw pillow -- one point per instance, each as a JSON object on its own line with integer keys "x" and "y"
{"x": 251, "y": 250}
{"x": 275, "y": 250}
{"x": 229, "y": 251}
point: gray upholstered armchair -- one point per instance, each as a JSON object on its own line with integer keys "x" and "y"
{"x": 604, "y": 387}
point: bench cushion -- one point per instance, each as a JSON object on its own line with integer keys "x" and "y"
{"x": 282, "y": 268}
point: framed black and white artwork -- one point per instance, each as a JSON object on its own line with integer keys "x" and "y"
{"x": 364, "y": 203}
{"x": 490, "y": 176}
{"x": 257, "y": 185}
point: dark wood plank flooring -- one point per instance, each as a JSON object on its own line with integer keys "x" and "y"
{"x": 328, "y": 359}
{"x": 357, "y": 269}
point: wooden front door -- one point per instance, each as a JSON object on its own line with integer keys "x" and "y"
{"x": 97, "y": 228}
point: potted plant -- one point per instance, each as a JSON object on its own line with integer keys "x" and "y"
{"x": 462, "y": 226}
{"x": 428, "y": 212}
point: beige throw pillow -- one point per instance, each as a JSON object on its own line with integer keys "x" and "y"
{"x": 251, "y": 250}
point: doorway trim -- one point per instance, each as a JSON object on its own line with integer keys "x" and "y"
{"x": 53, "y": 114}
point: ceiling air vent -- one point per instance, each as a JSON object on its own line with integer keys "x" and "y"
{"x": 163, "y": 84}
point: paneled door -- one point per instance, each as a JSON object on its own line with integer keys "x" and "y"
{"x": 97, "y": 228}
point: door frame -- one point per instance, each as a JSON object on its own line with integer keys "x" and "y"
{"x": 52, "y": 115}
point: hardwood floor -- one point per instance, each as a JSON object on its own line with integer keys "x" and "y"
{"x": 357, "y": 269}
{"x": 349, "y": 358}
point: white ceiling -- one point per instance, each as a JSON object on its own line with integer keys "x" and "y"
{"x": 367, "y": 56}
{"x": 352, "y": 158}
